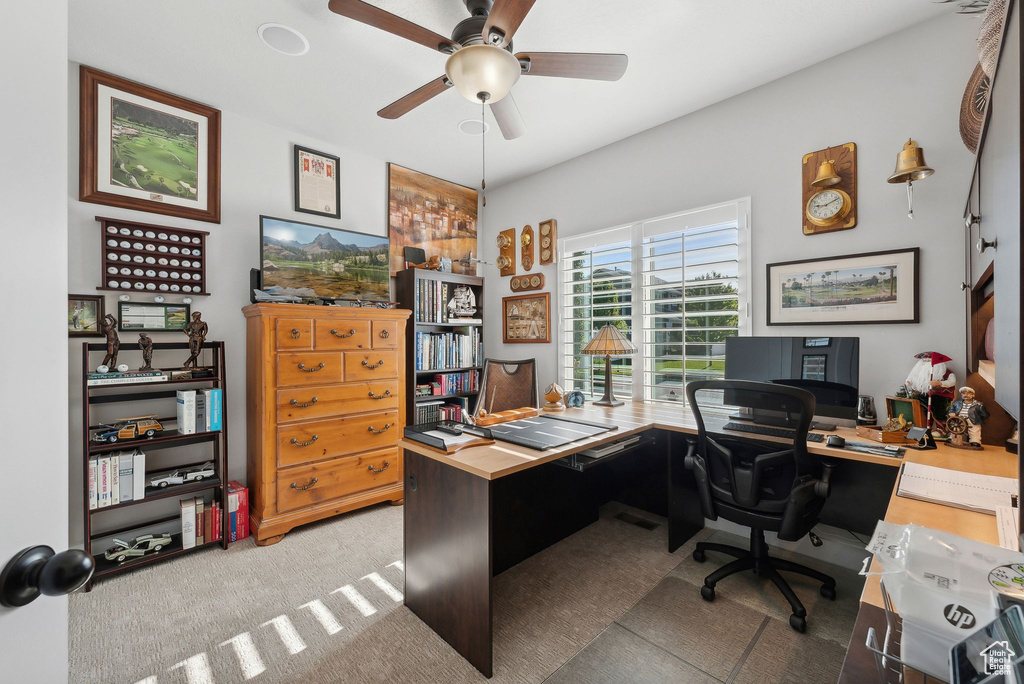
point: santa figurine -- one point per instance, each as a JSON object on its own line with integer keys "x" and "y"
{"x": 931, "y": 380}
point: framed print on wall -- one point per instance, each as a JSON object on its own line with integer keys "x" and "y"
{"x": 874, "y": 287}
{"x": 148, "y": 150}
{"x": 152, "y": 316}
{"x": 526, "y": 318}
{"x": 317, "y": 184}
{"x": 84, "y": 315}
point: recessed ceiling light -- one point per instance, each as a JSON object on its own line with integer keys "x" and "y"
{"x": 284, "y": 39}
{"x": 472, "y": 127}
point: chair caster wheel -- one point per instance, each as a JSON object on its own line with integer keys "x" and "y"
{"x": 798, "y": 623}
{"x": 707, "y": 593}
{"x": 828, "y": 592}
{"x": 699, "y": 556}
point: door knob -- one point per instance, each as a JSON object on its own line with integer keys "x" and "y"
{"x": 38, "y": 570}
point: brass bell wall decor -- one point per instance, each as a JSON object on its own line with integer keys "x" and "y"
{"x": 827, "y": 175}
{"x": 910, "y": 167}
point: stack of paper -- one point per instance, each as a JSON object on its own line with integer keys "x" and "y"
{"x": 982, "y": 493}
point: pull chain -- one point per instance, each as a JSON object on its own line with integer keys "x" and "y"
{"x": 483, "y": 152}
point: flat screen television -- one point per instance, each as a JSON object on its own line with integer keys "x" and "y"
{"x": 332, "y": 263}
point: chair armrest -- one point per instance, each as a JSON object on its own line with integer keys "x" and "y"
{"x": 688, "y": 460}
{"x": 822, "y": 487}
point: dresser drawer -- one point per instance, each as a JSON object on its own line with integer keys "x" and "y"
{"x": 385, "y": 334}
{"x": 343, "y": 334}
{"x": 299, "y": 487}
{"x": 294, "y": 333}
{"x": 318, "y": 439}
{"x": 334, "y": 400}
{"x": 371, "y": 365}
{"x": 308, "y": 368}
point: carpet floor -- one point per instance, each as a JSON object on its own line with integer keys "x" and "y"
{"x": 607, "y": 604}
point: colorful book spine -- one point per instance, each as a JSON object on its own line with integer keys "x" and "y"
{"x": 103, "y": 468}
{"x": 216, "y": 409}
{"x": 93, "y": 503}
{"x": 200, "y": 526}
{"x": 123, "y": 380}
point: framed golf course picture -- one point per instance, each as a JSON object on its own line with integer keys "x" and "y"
{"x": 148, "y": 150}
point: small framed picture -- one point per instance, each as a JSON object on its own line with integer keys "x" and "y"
{"x": 151, "y": 316}
{"x": 527, "y": 318}
{"x": 84, "y": 315}
{"x": 317, "y": 185}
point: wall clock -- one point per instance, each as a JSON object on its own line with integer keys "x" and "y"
{"x": 830, "y": 189}
{"x": 526, "y": 239}
{"x": 548, "y": 235}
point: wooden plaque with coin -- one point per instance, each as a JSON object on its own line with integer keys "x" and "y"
{"x": 548, "y": 234}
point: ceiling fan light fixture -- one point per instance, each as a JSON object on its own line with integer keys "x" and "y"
{"x": 483, "y": 73}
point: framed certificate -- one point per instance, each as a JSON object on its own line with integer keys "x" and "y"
{"x": 317, "y": 185}
{"x": 151, "y": 316}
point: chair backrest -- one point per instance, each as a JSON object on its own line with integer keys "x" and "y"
{"x": 507, "y": 385}
{"x": 740, "y": 472}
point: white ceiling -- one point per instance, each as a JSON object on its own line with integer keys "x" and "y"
{"x": 684, "y": 55}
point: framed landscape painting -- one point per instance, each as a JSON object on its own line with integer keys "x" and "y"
{"x": 526, "y": 318}
{"x": 84, "y": 315}
{"x": 875, "y": 287}
{"x": 434, "y": 214}
{"x": 144, "y": 149}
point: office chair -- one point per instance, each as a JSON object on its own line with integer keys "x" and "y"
{"x": 507, "y": 385}
{"x": 759, "y": 484}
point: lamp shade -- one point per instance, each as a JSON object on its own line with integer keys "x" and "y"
{"x": 609, "y": 342}
{"x": 483, "y": 69}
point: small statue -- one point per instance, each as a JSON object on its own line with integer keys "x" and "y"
{"x": 196, "y": 330}
{"x": 972, "y": 412}
{"x": 463, "y": 302}
{"x": 108, "y": 328}
{"x": 554, "y": 394}
{"x": 146, "y": 345}
{"x": 932, "y": 381}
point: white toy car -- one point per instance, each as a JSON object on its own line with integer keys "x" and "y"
{"x": 183, "y": 475}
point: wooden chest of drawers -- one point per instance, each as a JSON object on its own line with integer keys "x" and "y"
{"x": 325, "y": 409}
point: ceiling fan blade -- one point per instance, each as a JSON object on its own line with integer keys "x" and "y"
{"x": 378, "y": 18}
{"x": 591, "y": 65}
{"x": 506, "y": 16}
{"x": 510, "y": 121}
{"x": 415, "y": 98}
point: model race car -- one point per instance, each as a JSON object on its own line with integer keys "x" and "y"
{"x": 140, "y": 546}
{"x": 129, "y": 428}
{"x": 183, "y": 475}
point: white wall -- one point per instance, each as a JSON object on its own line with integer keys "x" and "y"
{"x": 256, "y": 178}
{"x": 909, "y": 84}
{"x": 33, "y": 280}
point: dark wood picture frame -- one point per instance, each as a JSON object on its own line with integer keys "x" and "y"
{"x": 88, "y": 187}
{"x": 100, "y": 302}
{"x": 915, "y": 252}
{"x": 163, "y": 305}
{"x": 337, "y": 182}
{"x": 505, "y": 301}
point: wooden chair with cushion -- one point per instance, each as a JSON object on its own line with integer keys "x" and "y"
{"x": 507, "y": 385}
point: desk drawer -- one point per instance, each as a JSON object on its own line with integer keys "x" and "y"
{"x": 308, "y": 368}
{"x": 319, "y": 439}
{"x": 371, "y": 365}
{"x": 300, "y": 487}
{"x": 294, "y": 333}
{"x": 342, "y": 334}
{"x": 385, "y": 334}
{"x": 335, "y": 400}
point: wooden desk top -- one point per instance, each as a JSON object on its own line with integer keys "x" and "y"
{"x": 502, "y": 458}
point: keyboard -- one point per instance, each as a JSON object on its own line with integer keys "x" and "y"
{"x": 772, "y": 431}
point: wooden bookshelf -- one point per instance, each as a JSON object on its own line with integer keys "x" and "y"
{"x": 409, "y": 282}
{"x": 205, "y": 442}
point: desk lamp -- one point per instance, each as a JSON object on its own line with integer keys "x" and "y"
{"x": 609, "y": 342}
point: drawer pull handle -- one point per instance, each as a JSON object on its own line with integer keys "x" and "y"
{"x": 343, "y": 335}
{"x": 295, "y": 402}
{"x": 385, "y": 334}
{"x": 302, "y": 367}
{"x": 296, "y": 442}
{"x": 372, "y": 366}
{"x": 387, "y": 393}
{"x": 387, "y": 426}
{"x": 381, "y": 469}
{"x": 296, "y": 334}
{"x": 295, "y": 485}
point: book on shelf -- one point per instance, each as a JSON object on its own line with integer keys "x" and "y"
{"x": 238, "y": 509}
{"x": 448, "y": 350}
{"x": 130, "y": 378}
{"x": 200, "y": 526}
{"x": 116, "y": 478}
{"x": 199, "y": 411}
{"x": 188, "y": 523}
{"x": 456, "y": 409}
{"x": 430, "y": 303}
{"x": 186, "y": 415}
{"x": 456, "y": 383}
{"x": 92, "y": 485}
{"x": 103, "y": 472}
{"x": 138, "y": 475}
{"x": 125, "y": 476}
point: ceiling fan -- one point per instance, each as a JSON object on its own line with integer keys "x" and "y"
{"x": 481, "y": 64}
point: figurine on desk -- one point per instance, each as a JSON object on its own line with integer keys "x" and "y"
{"x": 966, "y": 415}
{"x": 932, "y": 381}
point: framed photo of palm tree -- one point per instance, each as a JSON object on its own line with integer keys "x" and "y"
{"x": 874, "y": 287}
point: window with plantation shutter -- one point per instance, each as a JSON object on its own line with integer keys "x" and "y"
{"x": 675, "y": 285}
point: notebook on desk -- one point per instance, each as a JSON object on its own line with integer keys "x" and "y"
{"x": 970, "y": 491}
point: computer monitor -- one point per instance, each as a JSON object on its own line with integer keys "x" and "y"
{"x": 827, "y": 367}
